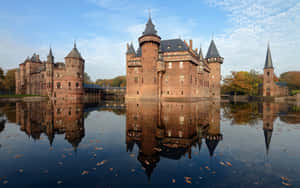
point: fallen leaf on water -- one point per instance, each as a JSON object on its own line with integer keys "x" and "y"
{"x": 117, "y": 175}
{"x": 207, "y": 168}
{"x": 228, "y": 163}
{"x": 95, "y": 155}
{"x": 99, "y": 148}
{"x": 133, "y": 170}
{"x": 222, "y": 163}
{"x": 187, "y": 178}
{"x": 213, "y": 172}
{"x": 5, "y": 182}
{"x": 84, "y": 172}
{"x": 18, "y": 156}
{"x": 188, "y": 181}
{"x": 200, "y": 177}
{"x": 94, "y": 168}
{"x": 2, "y": 178}
{"x": 173, "y": 180}
{"x": 286, "y": 184}
{"x": 131, "y": 155}
{"x": 101, "y": 163}
{"x": 284, "y": 178}
{"x": 111, "y": 169}
{"x": 60, "y": 163}
{"x": 59, "y": 182}
{"x": 51, "y": 148}
{"x": 147, "y": 162}
{"x": 201, "y": 168}
{"x": 21, "y": 171}
{"x": 143, "y": 168}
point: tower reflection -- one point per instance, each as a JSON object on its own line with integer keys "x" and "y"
{"x": 171, "y": 129}
{"x": 50, "y": 118}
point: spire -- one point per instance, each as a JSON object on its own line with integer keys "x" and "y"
{"x": 50, "y": 52}
{"x": 74, "y": 43}
{"x": 212, "y": 50}
{"x": 268, "y": 136}
{"x": 268, "y": 62}
{"x": 200, "y": 53}
{"x": 130, "y": 49}
{"x": 50, "y": 57}
{"x": 150, "y": 28}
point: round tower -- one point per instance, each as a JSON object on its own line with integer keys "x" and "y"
{"x": 214, "y": 61}
{"x": 74, "y": 75}
{"x": 49, "y": 73}
{"x": 149, "y": 45}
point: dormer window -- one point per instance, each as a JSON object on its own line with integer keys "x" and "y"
{"x": 169, "y": 47}
{"x": 179, "y": 46}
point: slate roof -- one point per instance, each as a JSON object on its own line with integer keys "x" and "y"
{"x": 50, "y": 53}
{"x": 91, "y": 86}
{"x": 150, "y": 28}
{"x": 212, "y": 50}
{"x": 74, "y": 53}
{"x": 200, "y": 54}
{"x": 130, "y": 49}
{"x": 268, "y": 62}
{"x": 281, "y": 84}
{"x": 172, "y": 45}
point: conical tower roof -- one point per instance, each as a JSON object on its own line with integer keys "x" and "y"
{"x": 268, "y": 62}
{"x": 130, "y": 49}
{"x": 200, "y": 53}
{"x": 74, "y": 53}
{"x": 150, "y": 28}
{"x": 268, "y": 136}
{"x": 212, "y": 50}
{"x": 50, "y": 53}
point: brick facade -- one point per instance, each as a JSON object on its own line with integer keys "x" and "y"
{"x": 171, "y": 69}
{"x": 55, "y": 80}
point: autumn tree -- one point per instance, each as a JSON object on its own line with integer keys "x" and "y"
{"x": 87, "y": 78}
{"x": 242, "y": 83}
{"x": 292, "y": 79}
{"x": 10, "y": 80}
{"x": 119, "y": 81}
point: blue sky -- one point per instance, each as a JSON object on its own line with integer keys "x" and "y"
{"x": 102, "y": 28}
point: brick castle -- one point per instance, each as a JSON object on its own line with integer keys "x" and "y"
{"x": 171, "y": 69}
{"x": 55, "y": 80}
{"x": 270, "y": 88}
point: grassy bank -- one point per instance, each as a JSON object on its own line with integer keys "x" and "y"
{"x": 17, "y": 96}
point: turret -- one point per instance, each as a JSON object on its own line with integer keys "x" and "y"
{"x": 50, "y": 57}
{"x": 149, "y": 44}
{"x": 214, "y": 61}
{"x": 268, "y": 85}
{"x": 75, "y": 71}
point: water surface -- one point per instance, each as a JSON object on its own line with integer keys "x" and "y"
{"x": 111, "y": 144}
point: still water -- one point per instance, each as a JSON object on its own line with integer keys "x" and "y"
{"x": 207, "y": 144}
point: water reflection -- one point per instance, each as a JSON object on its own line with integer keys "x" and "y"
{"x": 170, "y": 130}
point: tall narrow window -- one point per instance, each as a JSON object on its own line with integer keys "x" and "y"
{"x": 181, "y": 78}
{"x": 170, "y": 65}
{"x": 77, "y": 84}
{"x": 181, "y": 64}
{"x": 58, "y": 85}
{"x": 136, "y": 80}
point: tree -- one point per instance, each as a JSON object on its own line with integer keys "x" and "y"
{"x": 292, "y": 79}
{"x": 242, "y": 83}
{"x": 10, "y": 80}
{"x": 87, "y": 78}
{"x": 119, "y": 81}
{"x": 1, "y": 79}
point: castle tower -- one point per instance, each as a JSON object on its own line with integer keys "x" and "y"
{"x": 74, "y": 74}
{"x": 214, "y": 61}
{"x": 130, "y": 53}
{"x": 149, "y": 44}
{"x": 268, "y": 122}
{"x": 49, "y": 73}
{"x": 268, "y": 79}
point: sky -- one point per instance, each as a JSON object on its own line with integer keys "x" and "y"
{"x": 241, "y": 30}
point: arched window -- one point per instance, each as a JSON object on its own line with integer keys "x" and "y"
{"x": 77, "y": 84}
{"x": 58, "y": 85}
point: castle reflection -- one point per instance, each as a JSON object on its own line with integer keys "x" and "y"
{"x": 171, "y": 129}
{"x": 50, "y": 118}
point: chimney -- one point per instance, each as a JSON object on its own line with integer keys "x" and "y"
{"x": 127, "y": 46}
{"x": 191, "y": 44}
{"x": 196, "y": 50}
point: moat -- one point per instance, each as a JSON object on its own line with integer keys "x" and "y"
{"x": 113, "y": 144}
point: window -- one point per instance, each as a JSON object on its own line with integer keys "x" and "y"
{"x": 181, "y": 64}
{"x": 268, "y": 73}
{"x": 58, "y": 85}
{"x": 137, "y": 92}
{"x": 181, "y": 92}
{"x": 78, "y": 74}
{"x": 77, "y": 85}
{"x": 181, "y": 78}
{"x": 170, "y": 65}
{"x": 136, "y": 80}
{"x": 69, "y": 84}
{"x": 168, "y": 92}
{"x": 181, "y": 120}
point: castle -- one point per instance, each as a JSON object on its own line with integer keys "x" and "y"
{"x": 55, "y": 80}
{"x": 171, "y": 69}
{"x": 270, "y": 88}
